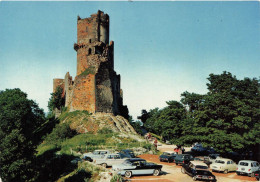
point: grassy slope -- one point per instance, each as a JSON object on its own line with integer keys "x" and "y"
{"x": 67, "y": 143}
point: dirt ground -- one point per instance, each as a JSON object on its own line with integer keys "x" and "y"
{"x": 172, "y": 173}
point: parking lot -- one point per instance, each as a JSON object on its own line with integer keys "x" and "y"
{"x": 171, "y": 172}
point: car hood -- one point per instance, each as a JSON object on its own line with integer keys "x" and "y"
{"x": 121, "y": 166}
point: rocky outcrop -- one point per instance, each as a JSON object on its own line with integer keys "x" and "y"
{"x": 83, "y": 122}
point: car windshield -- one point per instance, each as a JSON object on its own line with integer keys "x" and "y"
{"x": 166, "y": 153}
{"x": 243, "y": 164}
{"x": 220, "y": 162}
{"x": 127, "y": 162}
{"x": 96, "y": 152}
{"x": 201, "y": 167}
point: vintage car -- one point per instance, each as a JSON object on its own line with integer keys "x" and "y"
{"x": 136, "y": 166}
{"x": 127, "y": 153}
{"x": 213, "y": 157}
{"x": 223, "y": 165}
{"x": 183, "y": 158}
{"x": 198, "y": 148}
{"x": 109, "y": 160}
{"x": 198, "y": 170}
{"x": 247, "y": 167}
{"x": 95, "y": 155}
{"x": 167, "y": 156}
{"x": 204, "y": 159}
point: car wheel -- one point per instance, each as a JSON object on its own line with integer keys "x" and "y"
{"x": 104, "y": 165}
{"x": 238, "y": 173}
{"x": 183, "y": 170}
{"x": 128, "y": 174}
{"x": 252, "y": 175}
{"x": 194, "y": 178}
{"x": 225, "y": 171}
{"x": 160, "y": 160}
{"x": 156, "y": 172}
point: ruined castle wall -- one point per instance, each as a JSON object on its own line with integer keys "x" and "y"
{"x": 58, "y": 82}
{"x": 104, "y": 88}
{"x": 84, "y": 96}
{"x": 68, "y": 87}
{"x": 96, "y": 87}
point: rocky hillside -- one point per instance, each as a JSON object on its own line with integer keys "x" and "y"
{"x": 83, "y": 122}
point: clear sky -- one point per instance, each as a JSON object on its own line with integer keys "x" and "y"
{"x": 161, "y": 48}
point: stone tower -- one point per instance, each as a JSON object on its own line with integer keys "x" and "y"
{"x": 96, "y": 87}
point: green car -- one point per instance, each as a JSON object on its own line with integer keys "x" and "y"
{"x": 183, "y": 159}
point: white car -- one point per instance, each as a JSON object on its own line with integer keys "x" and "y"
{"x": 109, "y": 160}
{"x": 247, "y": 167}
{"x": 95, "y": 155}
{"x": 223, "y": 165}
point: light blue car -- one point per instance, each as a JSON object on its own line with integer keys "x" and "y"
{"x": 137, "y": 166}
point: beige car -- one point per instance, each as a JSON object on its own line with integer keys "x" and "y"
{"x": 223, "y": 165}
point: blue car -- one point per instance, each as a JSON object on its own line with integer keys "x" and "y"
{"x": 137, "y": 166}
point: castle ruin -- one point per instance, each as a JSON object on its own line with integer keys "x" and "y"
{"x": 96, "y": 87}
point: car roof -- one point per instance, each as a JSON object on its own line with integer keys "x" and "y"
{"x": 183, "y": 154}
{"x": 198, "y": 163}
{"x": 136, "y": 159}
{"x": 224, "y": 159}
{"x": 170, "y": 152}
{"x": 247, "y": 161}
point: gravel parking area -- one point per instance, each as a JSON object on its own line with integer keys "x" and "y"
{"x": 171, "y": 172}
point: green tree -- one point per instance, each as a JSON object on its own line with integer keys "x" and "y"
{"x": 57, "y": 100}
{"x": 20, "y": 119}
{"x": 167, "y": 122}
{"x": 227, "y": 117}
{"x": 135, "y": 124}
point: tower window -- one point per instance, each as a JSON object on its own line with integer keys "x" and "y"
{"x": 89, "y": 51}
{"x": 89, "y": 40}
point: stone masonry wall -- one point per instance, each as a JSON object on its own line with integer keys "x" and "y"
{"x": 96, "y": 87}
{"x": 83, "y": 96}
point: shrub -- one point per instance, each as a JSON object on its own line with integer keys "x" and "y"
{"x": 117, "y": 178}
{"x": 79, "y": 176}
{"x": 56, "y": 100}
{"x": 59, "y": 134}
{"x": 105, "y": 131}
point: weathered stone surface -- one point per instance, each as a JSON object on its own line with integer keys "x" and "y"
{"x": 96, "y": 87}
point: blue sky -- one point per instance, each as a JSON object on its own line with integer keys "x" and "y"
{"x": 161, "y": 48}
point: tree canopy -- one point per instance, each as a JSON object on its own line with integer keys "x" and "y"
{"x": 20, "y": 119}
{"x": 226, "y": 118}
{"x": 57, "y": 100}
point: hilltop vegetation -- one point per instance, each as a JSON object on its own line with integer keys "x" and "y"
{"x": 226, "y": 118}
{"x": 36, "y": 148}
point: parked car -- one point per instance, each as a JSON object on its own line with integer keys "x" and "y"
{"x": 198, "y": 148}
{"x": 127, "y": 153}
{"x": 167, "y": 157}
{"x": 109, "y": 160}
{"x": 213, "y": 157}
{"x": 247, "y": 167}
{"x": 198, "y": 171}
{"x": 183, "y": 158}
{"x": 95, "y": 155}
{"x": 223, "y": 165}
{"x": 137, "y": 166}
{"x": 257, "y": 174}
